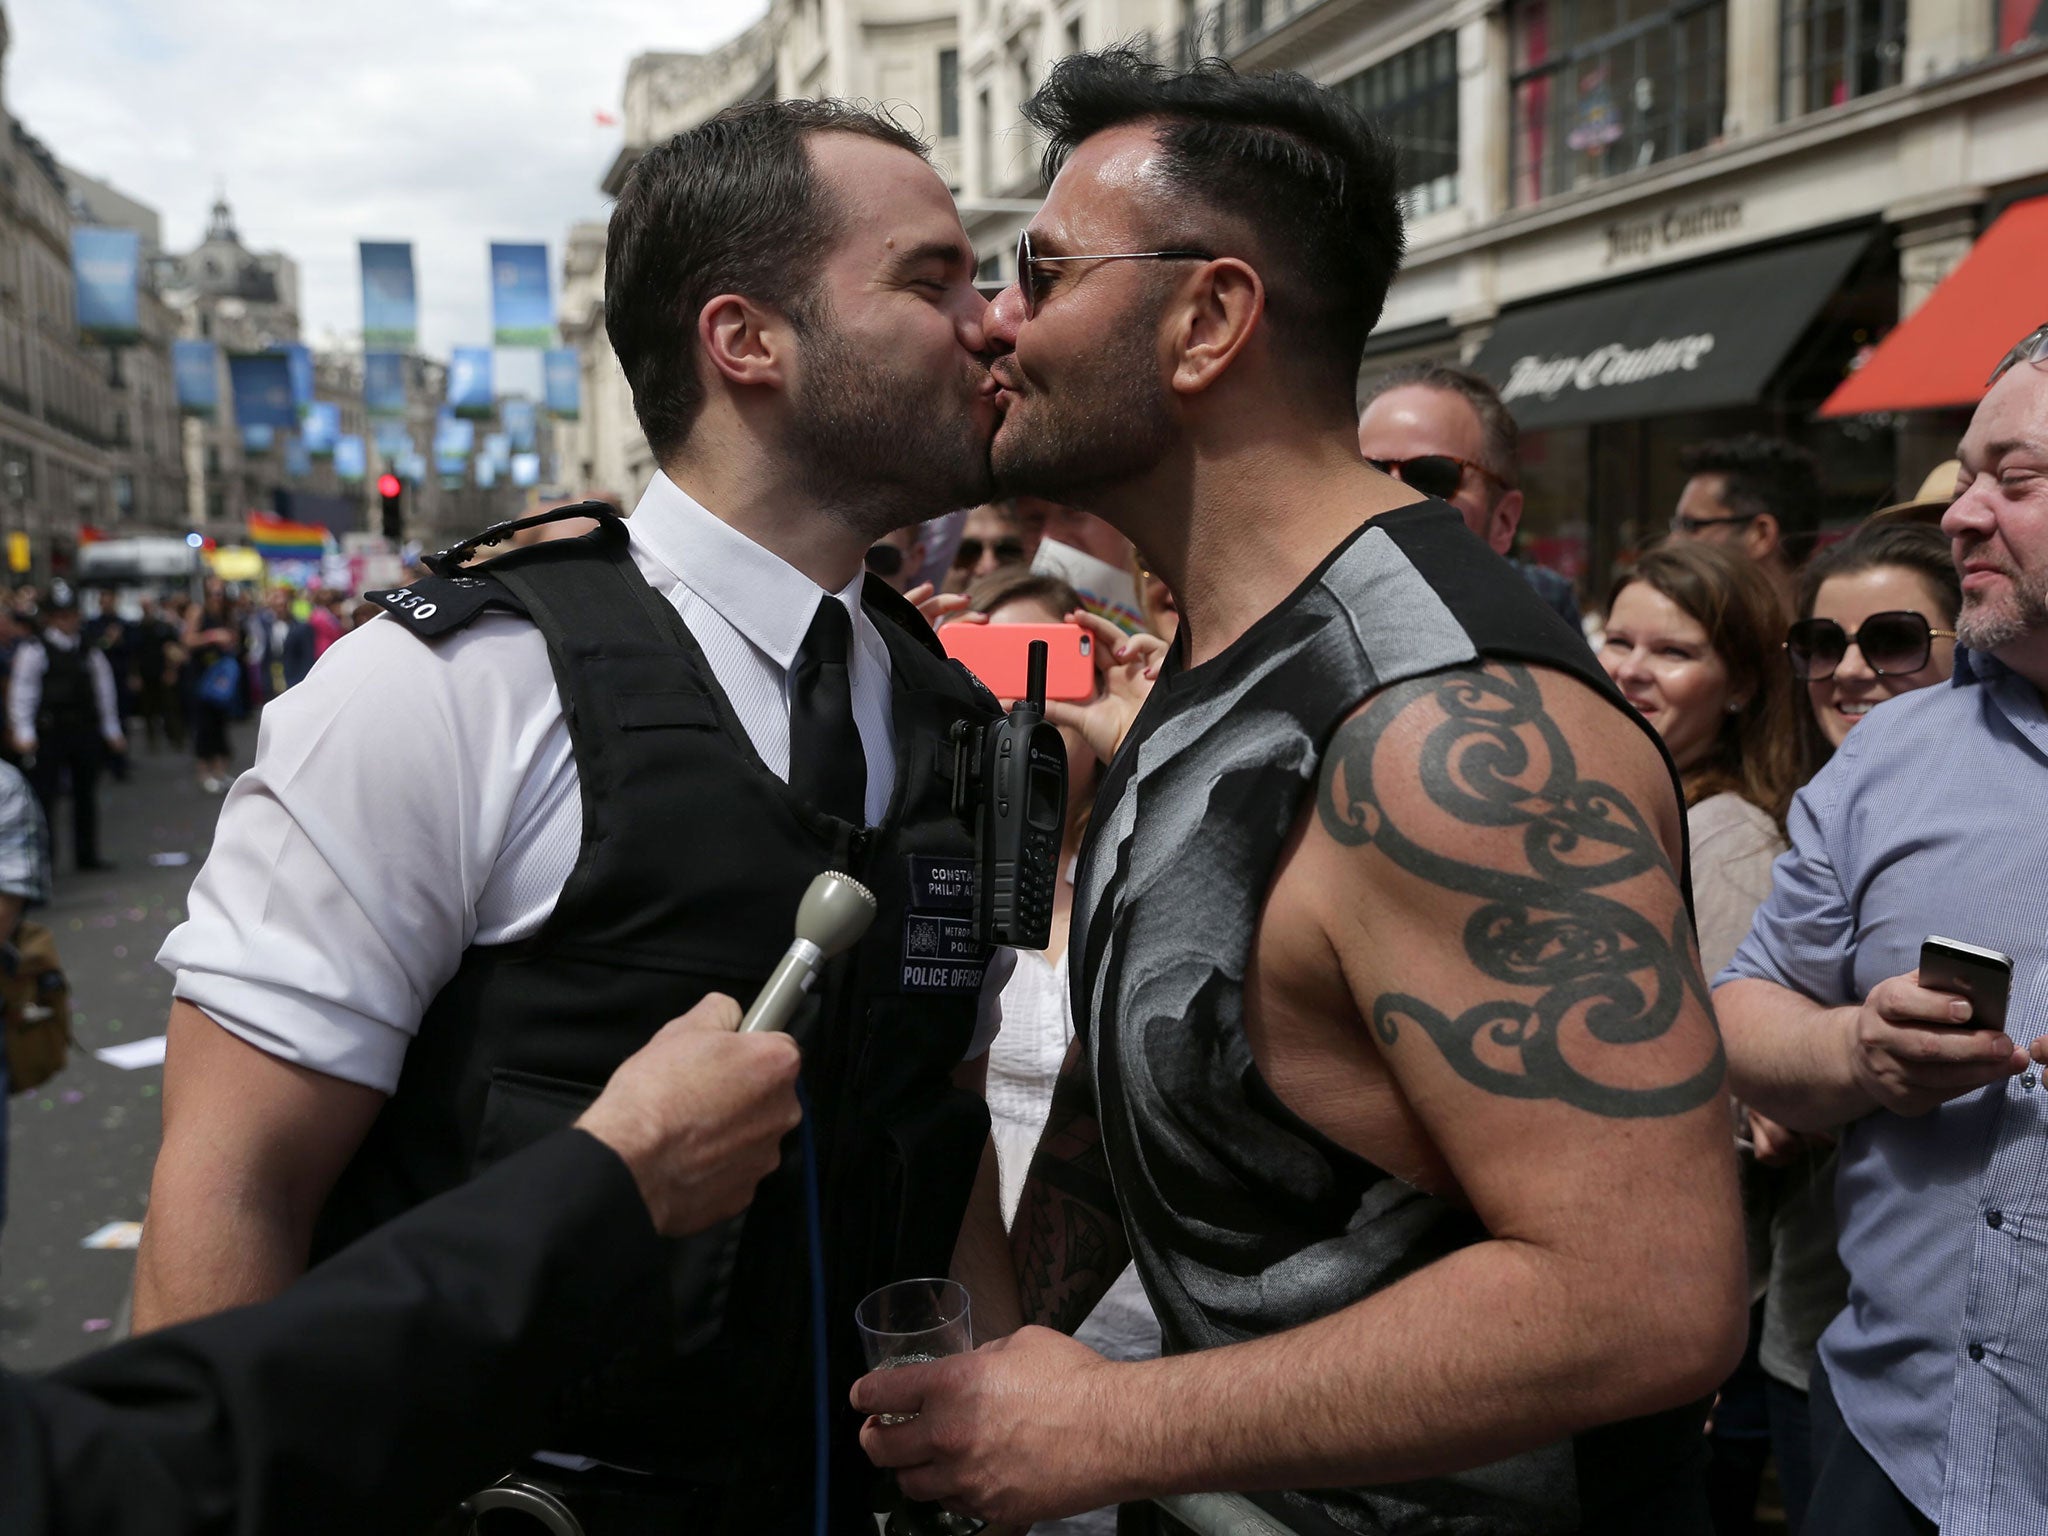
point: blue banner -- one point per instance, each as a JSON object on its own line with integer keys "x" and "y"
{"x": 106, "y": 272}
{"x": 262, "y": 385}
{"x": 393, "y": 438}
{"x": 486, "y": 474}
{"x": 497, "y": 449}
{"x": 351, "y": 462}
{"x": 258, "y": 439}
{"x": 298, "y": 358}
{"x": 411, "y": 466}
{"x": 522, "y": 308}
{"x": 469, "y": 382}
{"x": 298, "y": 459}
{"x": 562, "y": 374}
{"x": 525, "y": 469}
{"x": 384, "y": 383}
{"x": 320, "y": 427}
{"x": 195, "y": 369}
{"x": 520, "y": 419}
{"x": 390, "y": 302}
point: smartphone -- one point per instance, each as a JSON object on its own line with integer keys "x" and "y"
{"x": 998, "y": 655}
{"x": 1984, "y": 976}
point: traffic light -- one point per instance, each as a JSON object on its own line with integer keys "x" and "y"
{"x": 392, "y": 489}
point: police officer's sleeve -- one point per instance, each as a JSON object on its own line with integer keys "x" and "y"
{"x": 400, "y": 1376}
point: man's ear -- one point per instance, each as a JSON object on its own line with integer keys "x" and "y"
{"x": 744, "y": 342}
{"x": 1503, "y": 520}
{"x": 1761, "y": 536}
{"x": 1213, "y": 322}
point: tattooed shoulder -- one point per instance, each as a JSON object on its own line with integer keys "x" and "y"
{"x": 1574, "y": 935}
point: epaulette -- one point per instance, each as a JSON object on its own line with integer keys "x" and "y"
{"x": 437, "y": 605}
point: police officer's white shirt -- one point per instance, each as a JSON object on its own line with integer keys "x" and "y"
{"x": 25, "y": 685}
{"x": 404, "y": 805}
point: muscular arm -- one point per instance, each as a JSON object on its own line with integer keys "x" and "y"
{"x": 1068, "y": 1242}
{"x": 252, "y": 1145}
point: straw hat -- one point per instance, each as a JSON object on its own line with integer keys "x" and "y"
{"x": 1929, "y": 502}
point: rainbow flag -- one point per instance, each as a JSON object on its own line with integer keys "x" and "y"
{"x": 278, "y": 538}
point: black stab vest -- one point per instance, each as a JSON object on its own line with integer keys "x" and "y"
{"x": 694, "y": 856}
{"x": 66, "y": 709}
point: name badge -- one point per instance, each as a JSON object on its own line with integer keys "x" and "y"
{"x": 941, "y": 885}
{"x": 939, "y": 950}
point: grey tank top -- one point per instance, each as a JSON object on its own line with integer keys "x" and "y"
{"x": 1243, "y": 1219}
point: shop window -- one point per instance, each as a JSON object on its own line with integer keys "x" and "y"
{"x": 949, "y": 93}
{"x": 1603, "y": 87}
{"x": 1414, "y": 96}
{"x": 2022, "y": 24}
{"x": 1834, "y": 50}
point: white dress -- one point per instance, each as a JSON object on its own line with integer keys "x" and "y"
{"x": 1023, "y": 1064}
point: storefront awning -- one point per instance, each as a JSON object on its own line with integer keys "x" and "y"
{"x": 1686, "y": 341}
{"x": 1941, "y": 354}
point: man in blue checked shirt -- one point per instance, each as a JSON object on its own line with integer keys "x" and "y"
{"x": 1930, "y": 1398}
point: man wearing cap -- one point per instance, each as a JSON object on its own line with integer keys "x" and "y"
{"x": 62, "y": 721}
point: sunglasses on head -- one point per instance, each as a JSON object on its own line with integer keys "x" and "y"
{"x": 885, "y": 560}
{"x": 2032, "y": 348}
{"x": 1032, "y": 281}
{"x": 1893, "y": 645}
{"x": 1007, "y": 551}
{"x": 1434, "y": 474}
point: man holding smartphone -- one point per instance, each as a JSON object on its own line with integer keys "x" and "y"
{"x": 1927, "y": 1391}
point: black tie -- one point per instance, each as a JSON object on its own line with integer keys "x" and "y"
{"x": 827, "y": 767}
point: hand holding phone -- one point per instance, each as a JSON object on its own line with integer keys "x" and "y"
{"x": 1916, "y": 1042}
{"x": 1982, "y": 976}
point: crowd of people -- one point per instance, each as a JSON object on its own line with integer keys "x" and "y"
{"x": 1480, "y": 1078}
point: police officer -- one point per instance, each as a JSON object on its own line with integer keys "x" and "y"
{"x": 550, "y": 800}
{"x": 63, "y": 720}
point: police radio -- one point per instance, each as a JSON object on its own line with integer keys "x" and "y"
{"x": 1010, "y": 787}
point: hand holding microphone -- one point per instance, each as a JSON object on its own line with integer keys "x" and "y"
{"x": 830, "y": 920}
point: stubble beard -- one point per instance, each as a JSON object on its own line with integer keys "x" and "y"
{"x": 1990, "y": 624}
{"x": 1111, "y": 423}
{"x": 883, "y": 448}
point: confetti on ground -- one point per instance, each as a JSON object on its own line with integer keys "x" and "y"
{"x": 98, "y": 1324}
{"x": 73, "y": 1096}
{"x": 133, "y": 1055}
{"x": 115, "y": 1235}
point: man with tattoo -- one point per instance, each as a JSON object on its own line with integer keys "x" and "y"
{"x": 1395, "y": 1071}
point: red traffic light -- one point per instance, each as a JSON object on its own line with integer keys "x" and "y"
{"x": 389, "y": 485}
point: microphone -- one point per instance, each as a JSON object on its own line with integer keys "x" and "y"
{"x": 830, "y": 920}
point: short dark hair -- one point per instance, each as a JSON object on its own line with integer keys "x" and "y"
{"x": 1315, "y": 183}
{"x": 1496, "y": 421}
{"x": 732, "y": 206}
{"x": 1764, "y": 474}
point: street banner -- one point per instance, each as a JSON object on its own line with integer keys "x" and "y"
{"x": 298, "y": 459}
{"x": 390, "y": 302}
{"x": 522, "y": 308}
{"x": 298, "y": 359}
{"x": 469, "y": 382}
{"x": 106, "y": 271}
{"x": 486, "y": 474}
{"x": 258, "y": 439}
{"x": 195, "y": 370}
{"x": 393, "y": 438}
{"x": 498, "y": 449}
{"x": 384, "y": 383}
{"x": 525, "y": 469}
{"x": 562, "y": 374}
{"x": 320, "y": 428}
{"x": 412, "y": 466}
{"x": 452, "y": 434}
{"x": 519, "y": 418}
{"x": 277, "y": 538}
{"x": 351, "y": 460}
{"x": 262, "y": 385}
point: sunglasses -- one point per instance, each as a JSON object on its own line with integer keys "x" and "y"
{"x": 1032, "y": 281}
{"x": 1007, "y": 552}
{"x": 1434, "y": 474}
{"x": 2032, "y": 348}
{"x": 1893, "y": 645}
{"x": 885, "y": 560}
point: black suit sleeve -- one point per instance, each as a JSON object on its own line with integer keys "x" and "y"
{"x": 406, "y": 1372}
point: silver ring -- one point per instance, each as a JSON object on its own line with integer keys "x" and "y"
{"x": 524, "y": 1498}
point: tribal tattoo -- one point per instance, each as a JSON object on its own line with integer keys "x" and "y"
{"x": 1604, "y": 975}
{"x": 1068, "y": 1240}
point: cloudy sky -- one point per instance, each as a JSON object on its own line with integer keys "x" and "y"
{"x": 450, "y": 123}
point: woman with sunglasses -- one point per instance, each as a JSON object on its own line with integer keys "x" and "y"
{"x": 1877, "y": 617}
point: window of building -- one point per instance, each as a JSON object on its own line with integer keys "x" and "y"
{"x": 2022, "y": 24}
{"x": 1414, "y": 96}
{"x": 949, "y": 93}
{"x": 985, "y": 136}
{"x": 1833, "y": 50}
{"x": 1601, "y": 87}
